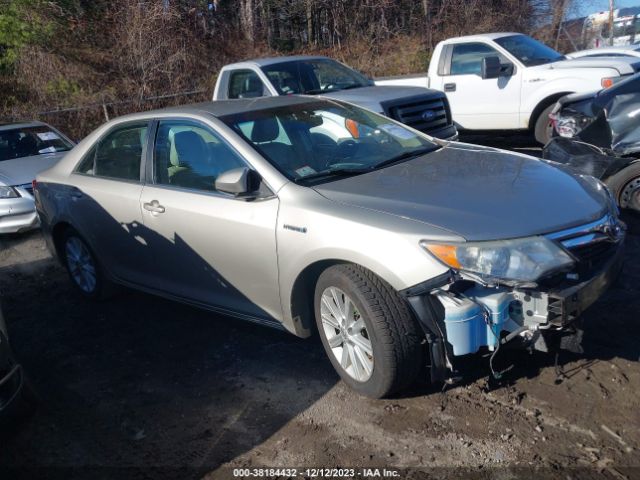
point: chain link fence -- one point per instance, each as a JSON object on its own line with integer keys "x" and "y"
{"x": 77, "y": 122}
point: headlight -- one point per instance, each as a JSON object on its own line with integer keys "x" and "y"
{"x": 8, "y": 192}
{"x": 571, "y": 125}
{"x": 607, "y": 82}
{"x": 524, "y": 259}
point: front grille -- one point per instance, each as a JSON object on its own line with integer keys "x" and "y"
{"x": 595, "y": 252}
{"x": 593, "y": 243}
{"x": 424, "y": 114}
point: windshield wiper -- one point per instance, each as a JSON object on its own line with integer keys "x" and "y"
{"x": 339, "y": 172}
{"x": 405, "y": 156}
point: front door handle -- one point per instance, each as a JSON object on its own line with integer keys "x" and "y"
{"x": 153, "y": 206}
{"x": 449, "y": 87}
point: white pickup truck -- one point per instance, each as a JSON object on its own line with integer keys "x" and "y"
{"x": 509, "y": 81}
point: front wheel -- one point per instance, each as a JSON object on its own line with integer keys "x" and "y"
{"x": 543, "y": 128}
{"x": 367, "y": 330}
{"x": 625, "y": 187}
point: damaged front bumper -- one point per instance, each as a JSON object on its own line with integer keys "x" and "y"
{"x": 460, "y": 317}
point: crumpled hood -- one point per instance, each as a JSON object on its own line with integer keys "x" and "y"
{"x": 476, "y": 193}
{"x": 624, "y": 66}
{"x": 20, "y": 171}
{"x": 371, "y": 97}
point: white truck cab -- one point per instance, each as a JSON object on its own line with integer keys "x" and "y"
{"x": 509, "y": 81}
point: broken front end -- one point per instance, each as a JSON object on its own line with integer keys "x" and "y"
{"x": 518, "y": 292}
{"x": 607, "y": 119}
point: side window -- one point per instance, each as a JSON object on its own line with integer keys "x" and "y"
{"x": 285, "y": 81}
{"x": 245, "y": 84}
{"x": 87, "y": 164}
{"x": 191, "y": 156}
{"x": 118, "y": 155}
{"x": 466, "y": 58}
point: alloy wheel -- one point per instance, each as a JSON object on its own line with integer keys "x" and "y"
{"x": 81, "y": 265}
{"x": 346, "y": 333}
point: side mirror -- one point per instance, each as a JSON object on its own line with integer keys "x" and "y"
{"x": 491, "y": 67}
{"x": 238, "y": 181}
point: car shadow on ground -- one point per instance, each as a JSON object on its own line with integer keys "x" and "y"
{"x": 142, "y": 382}
{"x": 138, "y": 381}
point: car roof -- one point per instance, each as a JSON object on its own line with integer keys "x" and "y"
{"x": 22, "y": 124}
{"x": 263, "y": 62}
{"x": 221, "y": 108}
{"x": 482, "y": 36}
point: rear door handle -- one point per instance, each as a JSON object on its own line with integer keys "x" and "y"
{"x": 449, "y": 87}
{"x": 153, "y": 206}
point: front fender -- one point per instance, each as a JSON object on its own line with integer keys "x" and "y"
{"x": 313, "y": 230}
{"x": 535, "y": 95}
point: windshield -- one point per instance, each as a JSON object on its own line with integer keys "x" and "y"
{"x": 313, "y": 76}
{"x": 529, "y": 51}
{"x": 31, "y": 141}
{"x": 322, "y": 140}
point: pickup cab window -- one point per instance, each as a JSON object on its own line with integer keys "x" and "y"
{"x": 312, "y": 77}
{"x": 466, "y": 58}
{"x": 245, "y": 84}
{"x": 529, "y": 51}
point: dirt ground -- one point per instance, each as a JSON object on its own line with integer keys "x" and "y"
{"x": 142, "y": 387}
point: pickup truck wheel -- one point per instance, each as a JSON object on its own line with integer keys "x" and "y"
{"x": 367, "y": 330}
{"x": 83, "y": 268}
{"x": 544, "y": 129}
{"x": 625, "y": 187}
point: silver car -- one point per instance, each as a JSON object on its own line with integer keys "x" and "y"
{"x": 26, "y": 149}
{"x": 317, "y": 216}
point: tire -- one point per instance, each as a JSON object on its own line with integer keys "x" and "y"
{"x": 543, "y": 128}
{"x": 395, "y": 338}
{"x": 88, "y": 279}
{"x": 625, "y": 187}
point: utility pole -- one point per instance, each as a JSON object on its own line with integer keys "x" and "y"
{"x": 611, "y": 22}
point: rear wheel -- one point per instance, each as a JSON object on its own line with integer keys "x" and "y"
{"x": 82, "y": 266}
{"x": 544, "y": 129}
{"x": 625, "y": 187}
{"x": 367, "y": 330}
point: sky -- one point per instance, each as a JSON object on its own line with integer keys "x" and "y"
{"x": 585, "y": 7}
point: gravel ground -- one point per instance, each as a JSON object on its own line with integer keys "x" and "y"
{"x": 142, "y": 387}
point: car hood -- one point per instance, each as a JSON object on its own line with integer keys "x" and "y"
{"x": 624, "y": 66}
{"x": 19, "y": 171}
{"x": 476, "y": 193}
{"x": 372, "y": 97}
